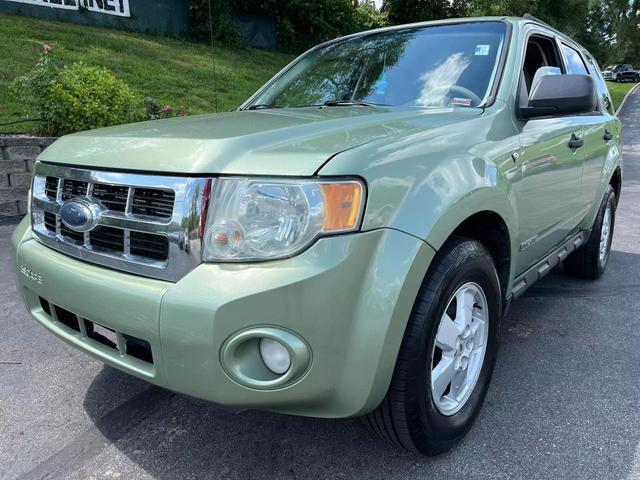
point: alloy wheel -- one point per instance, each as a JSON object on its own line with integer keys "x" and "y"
{"x": 459, "y": 350}
{"x": 605, "y": 233}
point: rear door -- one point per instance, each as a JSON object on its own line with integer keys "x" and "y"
{"x": 601, "y": 135}
{"x": 548, "y": 187}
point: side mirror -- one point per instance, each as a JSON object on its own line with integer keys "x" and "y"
{"x": 561, "y": 95}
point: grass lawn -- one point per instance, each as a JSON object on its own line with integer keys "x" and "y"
{"x": 618, "y": 91}
{"x": 174, "y": 72}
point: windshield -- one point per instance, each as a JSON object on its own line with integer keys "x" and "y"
{"x": 436, "y": 66}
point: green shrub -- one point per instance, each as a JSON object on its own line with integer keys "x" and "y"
{"x": 85, "y": 97}
{"x": 76, "y": 97}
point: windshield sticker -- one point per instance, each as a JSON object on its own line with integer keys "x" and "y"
{"x": 465, "y": 102}
{"x": 482, "y": 50}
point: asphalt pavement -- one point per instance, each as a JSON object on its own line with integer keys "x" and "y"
{"x": 564, "y": 402}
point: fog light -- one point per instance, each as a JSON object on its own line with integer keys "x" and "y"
{"x": 275, "y": 356}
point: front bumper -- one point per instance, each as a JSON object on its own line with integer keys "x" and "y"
{"x": 347, "y": 297}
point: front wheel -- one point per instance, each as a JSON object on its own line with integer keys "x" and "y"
{"x": 447, "y": 355}
{"x": 590, "y": 260}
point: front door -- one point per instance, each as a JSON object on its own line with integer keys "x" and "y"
{"x": 548, "y": 189}
{"x": 547, "y": 172}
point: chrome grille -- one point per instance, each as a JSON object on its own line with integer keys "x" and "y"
{"x": 70, "y": 234}
{"x": 72, "y": 189}
{"x": 147, "y": 225}
{"x": 51, "y": 188}
{"x": 108, "y": 238}
{"x": 50, "y": 221}
{"x": 114, "y": 197}
{"x": 154, "y": 203}
{"x": 152, "y": 246}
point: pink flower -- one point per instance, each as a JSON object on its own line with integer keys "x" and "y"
{"x": 182, "y": 112}
{"x": 47, "y": 48}
{"x": 168, "y": 108}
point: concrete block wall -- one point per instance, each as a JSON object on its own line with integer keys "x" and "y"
{"x": 17, "y": 156}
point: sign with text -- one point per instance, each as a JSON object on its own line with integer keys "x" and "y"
{"x": 110, "y": 7}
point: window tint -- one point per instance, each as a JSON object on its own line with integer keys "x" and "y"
{"x": 575, "y": 65}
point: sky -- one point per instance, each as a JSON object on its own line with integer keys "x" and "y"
{"x": 378, "y": 3}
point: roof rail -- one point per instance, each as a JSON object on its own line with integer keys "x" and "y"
{"x": 528, "y": 16}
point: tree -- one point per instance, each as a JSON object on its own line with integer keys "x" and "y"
{"x": 304, "y": 23}
{"x": 609, "y": 29}
{"x": 621, "y": 20}
{"x": 580, "y": 19}
{"x": 367, "y": 17}
{"x": 409, "y": 11}
{"x": 570, "y": 16}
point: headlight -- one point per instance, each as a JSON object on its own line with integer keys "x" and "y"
{"x": 266, "y": 219}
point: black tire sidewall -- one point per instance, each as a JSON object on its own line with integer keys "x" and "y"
{"x": 435, "y": 426}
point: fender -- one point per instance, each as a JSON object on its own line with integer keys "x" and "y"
{"x": 428, "y": 183}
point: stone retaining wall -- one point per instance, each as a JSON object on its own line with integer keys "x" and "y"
{"x": 17, "y": 155}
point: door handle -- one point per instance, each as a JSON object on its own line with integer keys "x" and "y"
{"x": 575, "y": 142}
{"x": 607, "y": 136}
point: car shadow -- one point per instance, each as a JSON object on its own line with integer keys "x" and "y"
{"x": 562, "y": 404}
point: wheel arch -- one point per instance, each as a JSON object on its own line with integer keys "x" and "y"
{"x": 616, "y": 182}
{"x": 494, "y": 226}
{"x": 490, "y": 229}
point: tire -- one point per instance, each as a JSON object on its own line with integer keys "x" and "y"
{"x": 589, "y": 261}
{"x": 409, "y": 416}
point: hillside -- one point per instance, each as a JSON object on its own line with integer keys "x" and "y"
{"x": 175, "y": 72}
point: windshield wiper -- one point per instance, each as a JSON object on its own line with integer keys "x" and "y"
{"x": 328, "y": 103}
{"x": 261, "y": 106}
{"x": 352, "y": 103}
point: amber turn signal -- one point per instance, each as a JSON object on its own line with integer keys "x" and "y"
{"x": 343, "y": 204}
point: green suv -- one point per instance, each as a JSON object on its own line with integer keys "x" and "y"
{"x": 348, "y": 241}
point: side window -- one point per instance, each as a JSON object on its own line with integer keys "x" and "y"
{"x": 575, "y": 65}
{"x": 541, "y": 52}
{"x": 604, "y": 99}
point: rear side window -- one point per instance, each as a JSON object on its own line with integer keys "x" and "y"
{"x": 575, "y": 65}
{"x": 604, "y": 99}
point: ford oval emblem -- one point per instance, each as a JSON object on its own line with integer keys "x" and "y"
{"x": 80, "y": 214}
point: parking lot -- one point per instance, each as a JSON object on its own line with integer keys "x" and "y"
{"x": 564, "y": 402}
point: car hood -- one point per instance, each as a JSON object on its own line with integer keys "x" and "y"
{"x": 259, "y": 142}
